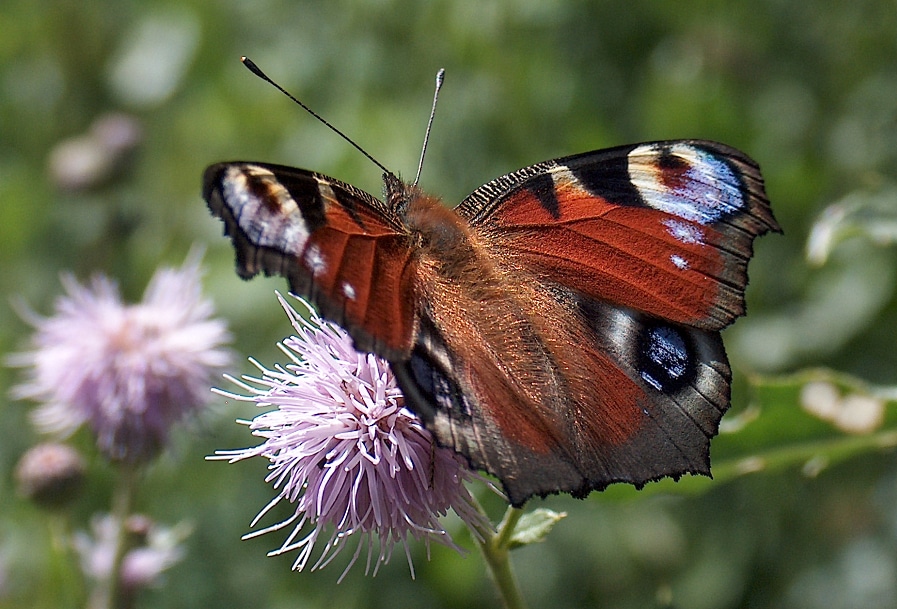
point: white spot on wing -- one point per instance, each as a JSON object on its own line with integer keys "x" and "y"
{"x": 315, "y": 261}
{"x": 348, "y": 290}
{"x": 679, "y": 261}
{"x": 562, "y": 176}
{"x": 684, "y": 232}
{"x": 326, "y": 191}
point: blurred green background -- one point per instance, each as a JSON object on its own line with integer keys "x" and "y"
{"x": 809, "y": 89}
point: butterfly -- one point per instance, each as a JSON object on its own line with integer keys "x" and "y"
{"x": 559, "y": 328}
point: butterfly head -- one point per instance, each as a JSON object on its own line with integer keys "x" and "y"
{"x": 397, "y": 193}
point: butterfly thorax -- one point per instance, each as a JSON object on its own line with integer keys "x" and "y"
{"x": 442, "y": 237}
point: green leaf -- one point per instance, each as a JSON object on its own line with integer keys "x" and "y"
{"x": 534, "y": 526}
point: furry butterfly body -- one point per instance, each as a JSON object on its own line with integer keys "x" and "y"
{"x": 559, "y": 328}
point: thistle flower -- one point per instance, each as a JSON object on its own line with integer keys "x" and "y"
{"x": 347, "y": 453}
{"x": 50, "y": 474}
{"x": 129, "y": 372}
{"x": 154, "y": 548}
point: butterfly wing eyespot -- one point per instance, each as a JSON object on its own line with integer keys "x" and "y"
{"x": 336, "y": 245}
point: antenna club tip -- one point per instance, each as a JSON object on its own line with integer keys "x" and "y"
{"x": 250, "y": 65}
{"x": 440, "y": 77}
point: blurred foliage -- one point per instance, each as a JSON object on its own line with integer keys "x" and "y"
{"x": 801, "y": 515}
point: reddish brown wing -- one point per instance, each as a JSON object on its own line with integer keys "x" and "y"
{"x": 665, "y": 228}
{"x": 596, "y": 357}
{"x": 338, "y": 246}
{"x": 585, "y": 394}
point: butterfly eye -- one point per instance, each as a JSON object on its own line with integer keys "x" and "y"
{"x": 438, "y": 229}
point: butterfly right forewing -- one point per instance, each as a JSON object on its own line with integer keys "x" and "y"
{"x": 662, "y": 227}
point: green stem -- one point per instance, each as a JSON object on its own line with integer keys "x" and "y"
{"x": 109, "y": 594}
{"x": 67, "y": 589}
{"x": 496, "y": 550}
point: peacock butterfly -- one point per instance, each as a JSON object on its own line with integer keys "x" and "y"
{"x": 559, "y": 328}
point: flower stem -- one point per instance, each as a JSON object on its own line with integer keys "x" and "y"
{"x": 496, "y": 549}
{"x": 109, "y": 593}
{"x": 67, "y": 589}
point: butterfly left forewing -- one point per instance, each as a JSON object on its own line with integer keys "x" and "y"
{"x": 336, "y": 245}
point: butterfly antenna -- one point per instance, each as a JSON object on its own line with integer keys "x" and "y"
{"x": 258, "y": 72}
{"x": 440, "y": 78}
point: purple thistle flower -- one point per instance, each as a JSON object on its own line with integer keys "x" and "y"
{"x": 154, "y": 548}
{"x": 348, "y": 454}
{"x": 51, "y": 474}
{"x": 128, "y": 371}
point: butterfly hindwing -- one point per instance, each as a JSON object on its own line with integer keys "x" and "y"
{"x": 600, "y": 393}
{"x": 338, "y": 246}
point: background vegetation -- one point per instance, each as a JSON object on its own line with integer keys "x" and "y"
{"x": 809, "y": 89}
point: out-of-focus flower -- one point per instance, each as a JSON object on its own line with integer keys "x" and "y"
{"x": 50, "y": 474}
{"x": 91, "y": 159}
{"x": 127, "y": 371}
{"x": 153, "y": 549}
{"x": 348, "y": 454}
{"x": 854, "y": 413}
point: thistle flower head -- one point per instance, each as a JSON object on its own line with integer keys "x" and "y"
{"x": 129, "y": 372}
{"x": 347, "y": 454}
{"x": 50, "y": 474}
{"x": 154, "y": 548}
